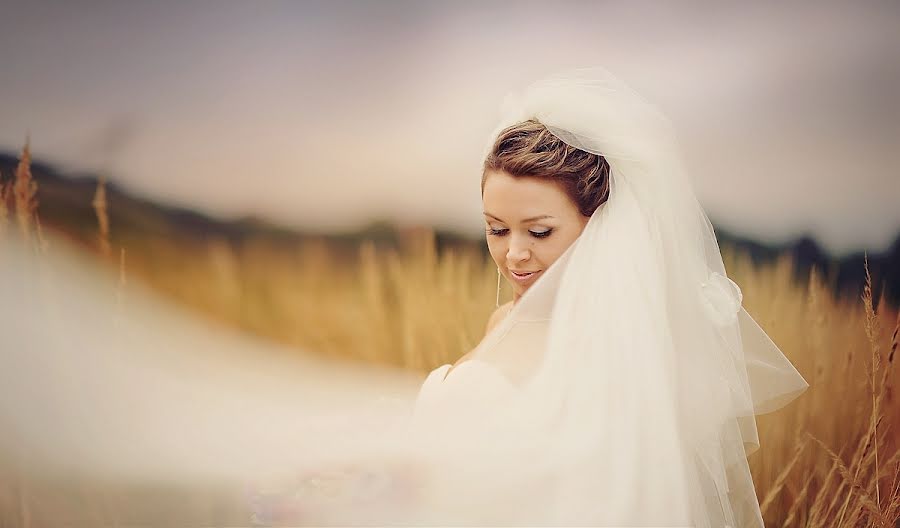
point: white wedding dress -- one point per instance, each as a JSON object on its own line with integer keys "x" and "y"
{"x": 446, "y": 389}
{"x": 513, "y": 474}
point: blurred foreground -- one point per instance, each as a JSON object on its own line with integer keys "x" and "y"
{"x": 832, "y": 458}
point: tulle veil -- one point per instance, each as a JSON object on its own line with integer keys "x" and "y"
{"x": 652, "y": 370}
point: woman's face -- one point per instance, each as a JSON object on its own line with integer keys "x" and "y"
{"x": 529, "y": 223}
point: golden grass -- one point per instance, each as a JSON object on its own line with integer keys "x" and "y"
{"x": 99, "y": 205}
{"x": 25, "y": 193}
{"x": 5, "y": 192}
{"x": 829, "y": 459}
{"x": 850, "y": 411}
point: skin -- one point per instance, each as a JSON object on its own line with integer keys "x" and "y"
{"x": 515, "y": 239}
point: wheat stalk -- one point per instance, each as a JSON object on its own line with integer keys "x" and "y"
{"x": 100, "y": 209}
{"x": 120, "y": 291}
{"x": 42, "y": 242}
{"x": 25, "y": 191}
{"x": 853, "y": 483}
{"x": 872, "y": 324}
{"x": 798, "y": 500}
{"x": 894, "y": 339}
{"x": 782, "y": 477}
{"x": 818, "y": 508}
{"x": 5, "y": 190}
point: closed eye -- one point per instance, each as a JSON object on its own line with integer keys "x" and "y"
{"x": 535, "y": 234}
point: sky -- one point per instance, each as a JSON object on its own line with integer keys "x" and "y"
{"x": 327, "y": 115}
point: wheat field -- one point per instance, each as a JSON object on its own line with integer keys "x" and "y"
{"x": 829, "y": 459}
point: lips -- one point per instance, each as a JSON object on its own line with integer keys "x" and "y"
{"x": 525, "y": 276}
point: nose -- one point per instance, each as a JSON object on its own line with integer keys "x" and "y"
{"x": 519, "y": 250}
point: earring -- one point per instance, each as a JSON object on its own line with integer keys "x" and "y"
{"x": 498, "y": 286}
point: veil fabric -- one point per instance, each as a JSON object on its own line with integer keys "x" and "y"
{"x": 652, "y": 370}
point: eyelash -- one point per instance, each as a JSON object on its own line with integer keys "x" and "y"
{"x": 501, "y": 232}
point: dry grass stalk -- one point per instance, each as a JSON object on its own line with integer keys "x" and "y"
{"x": 892, "y": 461}
{"x": 100, "y": 209}
{"x": 894, "y": 339}
{"x": 120, "y": 290}
{"x": 798, "y": 500}
{"x": 5, "y": 190}
{"x": 42, "y": 242}
{"x": 799, "y": 447}
{"x": 818, "y": 510}
{"x": 894, "y": 500}
{"x": 25, "y": 191}
{"x": 838, "y": 492}
{"x": 872, "y": 331}
{"x": 865, "y": 499}
{"x": 374, "y": 296}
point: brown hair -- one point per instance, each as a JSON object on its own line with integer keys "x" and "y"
{"x": 530, "y": 149}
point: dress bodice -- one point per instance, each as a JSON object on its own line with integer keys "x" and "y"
{"x": 469, "y": 390}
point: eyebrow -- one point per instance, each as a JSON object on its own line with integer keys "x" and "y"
{"x": 532, "y": 219}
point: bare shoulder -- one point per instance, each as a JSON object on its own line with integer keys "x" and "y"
{"x": 497, "y": 316}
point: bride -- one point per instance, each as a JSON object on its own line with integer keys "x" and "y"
{"x": 617, "y": 388}
{"x": 625, "y": 363}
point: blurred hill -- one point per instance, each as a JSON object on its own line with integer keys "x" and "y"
{"x": 65, "y": 206}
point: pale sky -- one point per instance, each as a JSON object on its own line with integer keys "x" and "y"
{"x": 325, "y": 115}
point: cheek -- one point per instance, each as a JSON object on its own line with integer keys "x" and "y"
{"x": 553, "y": 250}
{"x": 497, "y": 249}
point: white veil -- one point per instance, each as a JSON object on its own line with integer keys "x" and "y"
{"x": 653, "y": 370}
